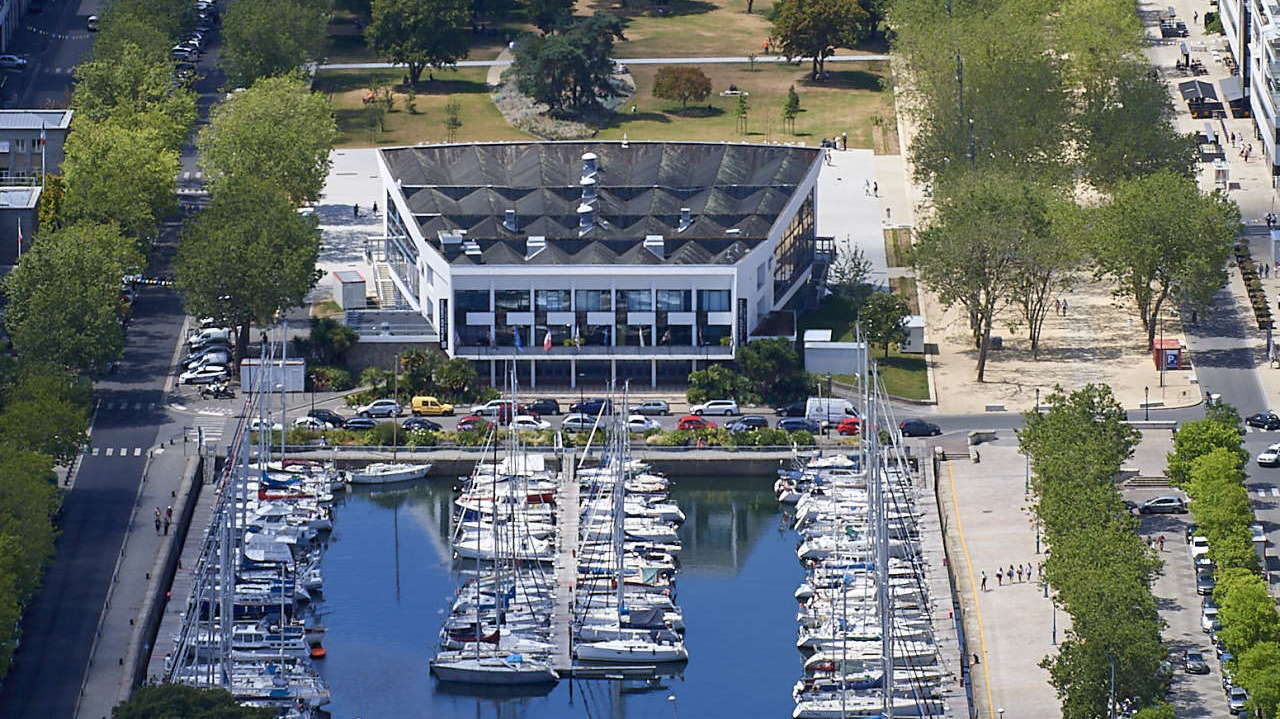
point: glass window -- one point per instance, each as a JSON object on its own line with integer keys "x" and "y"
{"x": 713, "y": 300}
{"x": 675, "y": 300}
{"x": 597, "y": 335}
{"x": 511, "y": 300}
{"x": 635, "y": 300}
{"x": 635, "y": 335}
{"x": 559, "y": 333}
{"x": 471, "y": 300}
{"x": 715, "y": 335}
{"x": 473, "y": 335}
{"x": 552, "y": 300}
{"x": 681, "y": 335}
{"x": 594, "y": 301}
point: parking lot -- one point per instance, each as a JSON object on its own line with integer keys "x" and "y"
{"x": 1180, "y": 607}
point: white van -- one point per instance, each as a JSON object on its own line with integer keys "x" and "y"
{"x": 829, "y": 411}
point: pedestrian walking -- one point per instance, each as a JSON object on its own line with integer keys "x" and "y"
{"x": 1064, "y": 306}
{"x": 1057, "y": 306}
{"x": 1009, "y": 574}
{"x": 1028, "y": 571}
{"x": 875, "y": 189}
{"x": 866, "y": 187}
{"x": 375, "y": 208}
{"x": 355, "y": 209}
{"x": 168, "y": 513}
{"x": 984, "y": 581}
{"x": 1195, "y": 16}
{"x": 1019, "y": 572}
{"x": 167, "y": 522}
{"x": 887, "y": 212}
{"x": 999, "y": 577}
{"x": 1160, "y": 541}
{"x": 157, "y": 525}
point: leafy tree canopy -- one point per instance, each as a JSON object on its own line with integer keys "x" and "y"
{"x": 681, "y": 83}
{"x": 117, "y": 174}
{"x": 815, "y": 28}
{"x": 268, "y": 39}
{"x": 178, "y": 701}
{"x": 420, "y": 33}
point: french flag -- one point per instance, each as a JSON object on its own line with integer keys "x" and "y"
{"x": 546, "y": 342}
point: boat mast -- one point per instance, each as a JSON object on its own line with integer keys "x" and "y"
{"x": 878, "y": 479}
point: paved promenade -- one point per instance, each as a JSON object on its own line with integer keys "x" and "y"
{"x": 1010, "y": 624}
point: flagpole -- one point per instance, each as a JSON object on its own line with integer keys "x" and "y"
{"x": 19, "y": 238}
{"x": 43, "y": 144}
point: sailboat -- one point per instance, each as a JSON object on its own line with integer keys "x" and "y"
{"x": 388, "y": 472}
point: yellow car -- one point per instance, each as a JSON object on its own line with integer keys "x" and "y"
{"x": 430, "y": 406}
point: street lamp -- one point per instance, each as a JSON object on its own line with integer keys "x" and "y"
{"x": 1146, "y": 403}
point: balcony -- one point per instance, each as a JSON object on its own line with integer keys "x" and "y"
{"x": 391, "y": 326}
{"x": 598, "y": 352}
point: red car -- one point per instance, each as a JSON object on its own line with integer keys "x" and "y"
{"x": 472, "y": 421}
{"x": 849, "y": 426}
{"x": 692, "y": 421}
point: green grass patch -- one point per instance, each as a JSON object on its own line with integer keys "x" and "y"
{"x": 904, "y": 375}
{"x": 897, "y": 246}
{"x": 905, "y": 287}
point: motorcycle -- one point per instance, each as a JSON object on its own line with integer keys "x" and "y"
{"x": 217, "y": 391}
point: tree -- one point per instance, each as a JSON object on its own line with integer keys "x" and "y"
{"x": 49, "y": 207}
{"x": 133, "y": 87}
{"x": 571, "y": 71}
{"x": 267, "y": 39}
{"x": 1198, "y": 438}
{"x": 1047, "y": 260}
{"x": 741, "y": 111}
{"x": 64, "y": 297}
{"x": 884, "y": 319}
{"x": 774, "y": 370}
{"x": 178, "y": 701}
{"x": 547, "y": 15}
{"x": 1248, "y": 616}
{"x": 1160, "y": 238}
{"x": 1159, "y": 710}
{"x": 849, "y": 276}
{"x": 452, "y": 118}
{"x": 681, "y": 83}
{"x": 52, "y": 426}
{"x": 969, "y": 255}
{"x": 815, "y": 28}
{"x": 791, "y": 109}
{"x": 1256, "y": 672}
{"x": 277, "y": 131}
{"x": 121, "y": 175}
{"x": 247, "y": 256}
{"x": 420, "y": 33}
{"x": 457, "y": 378}
{"x": 330, "y": 340}
{"x": 718, "y": 381}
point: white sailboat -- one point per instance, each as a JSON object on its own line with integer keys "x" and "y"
{"x": 388, "y": 472}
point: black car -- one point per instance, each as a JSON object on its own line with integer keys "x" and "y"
{"x": 328, "y": 416}
{"x": 359, "y": 423}
{"x": 422, "y": 423}
{"x": 592, "y": 406}
{"x": 747, "y": 423}
{"x": 1264, "y": 420}
{"x": 543, "y": 406}
{"x": 795, "y": 409}
{"x": 919, "y": 428}
{"x": 797, "y": 424}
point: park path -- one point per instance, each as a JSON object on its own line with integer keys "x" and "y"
{"x": 501, "y": 61}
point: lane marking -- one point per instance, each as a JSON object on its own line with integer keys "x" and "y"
{"x": 110, "y": 451}
{"x": 137, "y": 451}
{"x": 95, "y": 452}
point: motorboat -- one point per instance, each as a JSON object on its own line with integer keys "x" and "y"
{"x": 387, "y": 473}
{"x": 499, "y": 669}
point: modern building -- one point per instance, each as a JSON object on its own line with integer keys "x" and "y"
{"x": 17, "y": 221}
{"x": 1252, "y": 30}
{"x": 599, "y": 260}
{"x": 22, "y": 154}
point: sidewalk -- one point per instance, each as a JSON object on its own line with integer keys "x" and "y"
{"x": 1010, "y": 626}
{"x": 137, "y": 574}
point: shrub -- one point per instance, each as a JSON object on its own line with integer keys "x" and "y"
{"x": 803, "y": 438}
{"x": 330, "y": 379}
{"x": 423, "y": 438}
{"x": 387, "y": 434}
{"x": 302, "y": 435}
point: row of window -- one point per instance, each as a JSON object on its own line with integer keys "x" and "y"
{"x": 593, "y": 300}
{"x": 597, "y": 335}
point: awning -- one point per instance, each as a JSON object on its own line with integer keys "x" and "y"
{"x": 1231, "y": 88}
{"x": 1197, "y": 90}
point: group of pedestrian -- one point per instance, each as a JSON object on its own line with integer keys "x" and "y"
{"x": 871, "y": 189}
{"x": 1156, "y": 542}
{"x": 1019, "y": 572}
{"x": 1061, "y": 307}
{"x": 164, "y": 520}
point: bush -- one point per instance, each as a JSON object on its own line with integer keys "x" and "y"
{"x": 302, "y": 435}
{"x": 330, "y": 379}
{"x": 387, "y": 434}
{"x": 803, "y": 438}
{"x": 423, "y": 438}
{"x": 1213, "y": 23}
{"x": 355, "y": 399}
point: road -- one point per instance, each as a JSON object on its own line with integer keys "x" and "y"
{"x": 54, "y": 42}
{"x": 130, "y": 419}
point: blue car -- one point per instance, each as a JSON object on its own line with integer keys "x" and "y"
{"x": 797, "y": 424}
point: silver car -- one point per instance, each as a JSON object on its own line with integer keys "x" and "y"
{"x": 652, "y": 408}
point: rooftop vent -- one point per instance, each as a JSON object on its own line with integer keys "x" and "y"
{"x": 686, "y": 219}
{"x": 533, "y": 245}
{"x": 733, "y": 231}
{"x": 588, "y": 185}
{"x": 586, "y": 218}
{"x": 472, "y": 248}
{"x": 449, "y": 238}
{"x": 589, "y": 164}
{"x": 656, "y": 244}
{"x": 509, "y": 221}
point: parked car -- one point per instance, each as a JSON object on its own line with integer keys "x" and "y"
{"x": 849, "y": 426}
{"x": 529, "y": 422}
{"x": 1270, "y": 457}
{"x": 691, "y": 422}
{"x": 182, "y": 52}
{"x": 747, "y": 422}
{"x": 1190, "y": 531}
{"x": 310, "y": 423}
{"x": 492, "y": 408}
{"x": 472, "y": 422}
{"x": 795, "y": 409}
{"x": 422, "y": 423}
{"x": 381, "y": 408}
{"x": 797, "y": 424}
{"x": 726, "y": 407}
{"x": 212, "y": 348}
{"x": 209, "y": 335}
{"x": 1237, "y": 700}
{"x": 431, "y": 406}
{"x": 1194, "y": 662}
{"x": 592, "y": 406}
{"x": 829, "y": 411}
{"x": 357, "y": 424}
{"x": 1209, "y": 620}
{"x": 1198, "y": 546}
{"x": 264, "y": 425}
{"x": 652, "y": 408}
{"x": 919, "y": 428}
{"x": 92, "y": 23}
{"x": 544, "y": 407}
{"x": 212, "y": 358}
{"x": 13, "y": 62}
{"x": 577, "y": 423}
{"x": 328, "y": 416}
{"x": 1264, "y": 420}
{"x": 1205, "y": 582}
{"x": 639, "y": 424}
{"x": 1167, "y": 504}
{"x": 204, "y": 375}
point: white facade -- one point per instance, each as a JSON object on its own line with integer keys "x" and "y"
{"x": 1252, "y": 30}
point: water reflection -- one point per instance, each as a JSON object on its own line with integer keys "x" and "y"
{"x": 388, "y": 582}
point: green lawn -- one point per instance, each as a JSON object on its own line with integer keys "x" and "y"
{"x": 904, "y": 375}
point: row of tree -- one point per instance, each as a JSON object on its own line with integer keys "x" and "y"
{"x": 1100, "y": 570}
{"x": 271, "y": 38}
{"x": 1208, "y": 461}
{"x": 1022, "y": 109}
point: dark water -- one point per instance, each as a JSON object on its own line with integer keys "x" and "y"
{"x": 387, "y": 583}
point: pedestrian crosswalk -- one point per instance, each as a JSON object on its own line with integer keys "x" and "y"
{"x": 117, "y": 452}
{"x": 121, "y": 405}
{"x": 1264, "y": 491}
{"x": 207, "y": 427}
{"x": 196, "y": 176}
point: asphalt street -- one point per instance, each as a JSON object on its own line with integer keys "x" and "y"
{"x": 54, "y": 41}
